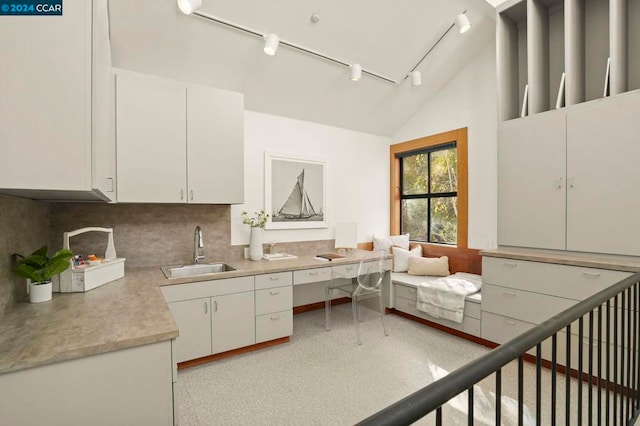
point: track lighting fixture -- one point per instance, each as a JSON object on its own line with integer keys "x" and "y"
{"x": 356, "y": 72}
{"x": 462, "y": 22}
{"x": 271, "y": 42}
{"x": 189, "y": 6}
{"x": 416, "y": 78}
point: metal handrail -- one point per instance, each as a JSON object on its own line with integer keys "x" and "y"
{"x": 422, "y": 402}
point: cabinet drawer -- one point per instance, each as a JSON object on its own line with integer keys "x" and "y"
{"x": 311, "y": 275}
{"x": 469, "y": 325}
{"x": 346, "y": 271}
{"x": 274, "y": 326}
{"x": 279, "y": 279}
{"x": 407, "y": 292}
{"x": 501, "y": 329}
{"x": 274, "y": 300}
{"x": 571, "y": 282}
{"x": 173, "y": 293}
{"x": 523, "y": 305}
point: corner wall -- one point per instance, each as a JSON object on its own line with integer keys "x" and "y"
{"x": 24, "y": 228}
{"x": 469, "y": 100}
{"x": 357, "y": 175}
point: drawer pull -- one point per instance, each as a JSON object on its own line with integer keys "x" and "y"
{"x": 507, "y": 293}
{"x": 313, "y": 274}
{"x": 510, "y": 264}
{"x": 591, "y": 274}
{"x": 274, "y": 278}
{"x": 275, "y": 317}
{"x": 509, "y": 322}
{"x": 206, "y": 307}
{"x": 349, "y": 268}
{"x": 273, "y": 293}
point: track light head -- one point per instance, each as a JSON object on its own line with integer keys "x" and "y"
{"x": 189, "y": 6}
{"x": 416, "y": 78}
{"x": 356, "y": 72}
{"x": 271, "y": 42}
{"x": 462, "y": 22}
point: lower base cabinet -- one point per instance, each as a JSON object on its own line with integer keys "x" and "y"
{"x": 232, "y": 324}
{"x": 193, "y": 320}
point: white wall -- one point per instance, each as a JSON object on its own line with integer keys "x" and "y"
{"x": 357, "y": 175}
{"x": 469, "y": 100}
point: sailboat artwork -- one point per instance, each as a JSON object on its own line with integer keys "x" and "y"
{"x": 298, "y": 205}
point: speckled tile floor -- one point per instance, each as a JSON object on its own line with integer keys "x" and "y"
{"x": 325, "y": 378}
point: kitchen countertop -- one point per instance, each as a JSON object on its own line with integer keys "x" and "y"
{"x": 588, "y": 260}
{"x": 125, "y": 313}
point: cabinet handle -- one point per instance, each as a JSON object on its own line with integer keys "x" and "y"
{"x": 110, "y": 180}
{"x": 275, "y": 317}
{"x": 591, "y": 274}
{"x": 182, "y": 194}
{"x": 559, "y": 184}
{"x": 509, "y": 322}
{"x": 273, "y": 293}
{"x": 313, "y": 274}
{"x": 509, "y": 293}
{"x": 510, "y": 264}
{"x": 215, "y": 304}
{"x": 206, "y": 307}
{"x": 274, "y": 278}
{"x": 570, "y": 181}
{"x": 191, "y": 194}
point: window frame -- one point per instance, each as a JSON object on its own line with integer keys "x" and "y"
{"x": 396, "y": 151}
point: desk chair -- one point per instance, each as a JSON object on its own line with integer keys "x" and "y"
{"x": 368, "y": 285}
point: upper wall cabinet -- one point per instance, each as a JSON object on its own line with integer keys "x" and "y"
{"x": 565, "y": 52}
{"x": 178, "y": 143}
{"x": 56, "y": 106}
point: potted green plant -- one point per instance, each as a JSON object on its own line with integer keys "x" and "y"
{"x": 38, "y": 269}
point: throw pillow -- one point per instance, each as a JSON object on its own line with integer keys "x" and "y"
{"x": 433, "y": 266}
{"x": 401, "y": 257}
{"x": 385, "y": 242}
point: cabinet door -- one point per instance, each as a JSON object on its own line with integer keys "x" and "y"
{"x": 531, "y": 181}
{"x": 45, "y": 100}
{"x": 233, "y": 321}
{"x": 151, "y": 139}
{"x": 215, "y": 145}
{"x": 603, "y": 198}
{"x": 193, "y": 318}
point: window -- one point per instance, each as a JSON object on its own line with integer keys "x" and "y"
{"x": 429, "y": 188}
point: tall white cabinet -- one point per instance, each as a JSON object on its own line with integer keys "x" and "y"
{"x": 566, "y": 176}
{"x": 56, "y": 123}
{"x": 178, "y": 143}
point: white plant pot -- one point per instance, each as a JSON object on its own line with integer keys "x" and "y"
{"x": 255, "y": 243}
{"x": 39, "y": 292}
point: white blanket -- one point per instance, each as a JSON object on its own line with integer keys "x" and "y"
{"x": 444, "y": 297}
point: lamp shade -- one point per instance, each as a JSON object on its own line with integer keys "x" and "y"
{"x": 271, "y": 43}
{"x": 347, "y": 235}
{"x": 416, "y": 78}
{"x": 462, "y": 22}
{"x": 189, "y": 6}
{"x": 356, "y": 72}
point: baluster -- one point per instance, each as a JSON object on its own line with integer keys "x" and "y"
{"x": 554, "y": 372}
{"x": 539, "y": 384}
{"x": 498, "y": 396}
{"x": 470, "y": 405}
{"x": 590, "y": 388}
{"x": 520, "y": 390}
{"x": 580, "y": 367}
{"x": 567, "y": 378}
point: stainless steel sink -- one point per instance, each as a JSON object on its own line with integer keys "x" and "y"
{"x": 195, "y": 270}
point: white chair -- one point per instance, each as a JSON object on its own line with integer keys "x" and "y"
{"x": 368, "y": 285}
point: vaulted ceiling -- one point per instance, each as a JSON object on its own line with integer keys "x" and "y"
{"x": 386, "y": 37}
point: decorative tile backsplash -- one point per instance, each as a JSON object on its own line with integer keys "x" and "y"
{"x": 24, "y": 228}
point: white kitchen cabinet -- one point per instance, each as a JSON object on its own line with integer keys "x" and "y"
{"x": 603, "y": 196}
{"x": 193, "y": 319}
{"x": 212, "y": 316}
{"x": 56, "y": 123}
{"x": 215, "y": 146}
{"x": 232, "y": 321}
{"x": 532, "y": 182}
{"x": 178, "y": 143}
{"x": 151, "y": 139}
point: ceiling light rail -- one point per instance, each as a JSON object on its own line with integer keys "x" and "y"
{"x": 272, "y": 41}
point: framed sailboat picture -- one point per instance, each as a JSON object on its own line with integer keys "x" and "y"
{"x": 295, "y": 192}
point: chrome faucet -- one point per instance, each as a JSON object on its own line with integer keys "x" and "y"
{"x": 198, "y": 245}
